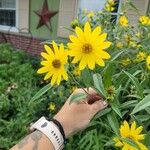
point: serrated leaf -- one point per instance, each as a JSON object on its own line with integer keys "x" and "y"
{"x": 98, "y": 84}
{"x": 78, "y": 97}
{"x": 41, "y": 92}
{"x": 142, "y": 105}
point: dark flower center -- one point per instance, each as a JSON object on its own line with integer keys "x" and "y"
{"x": 87, "y": 48}
{"x": 56, "y": 63}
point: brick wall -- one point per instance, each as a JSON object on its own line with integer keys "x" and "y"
{"x": 31, "y": 45}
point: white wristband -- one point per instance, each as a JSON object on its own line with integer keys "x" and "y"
{"x": 51, "y": 131}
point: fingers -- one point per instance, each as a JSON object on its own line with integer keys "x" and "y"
{"x": 98, "y": 105}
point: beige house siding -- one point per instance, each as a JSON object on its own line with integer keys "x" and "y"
{"x": 142, "y": 6}
{"x": 67, "y": 12}
{"x": 23, "y": 15}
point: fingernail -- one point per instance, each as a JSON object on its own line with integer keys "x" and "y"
{"x": 104, "y": 103}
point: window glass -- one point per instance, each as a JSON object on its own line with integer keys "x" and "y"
{"x": 7, "y": 3}
{"x": 91, "y": 5}
{"x": 8, "y": 13}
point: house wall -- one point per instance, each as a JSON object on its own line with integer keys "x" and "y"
{"x": 142, "y": 6}
{"x": 43, "y": 32}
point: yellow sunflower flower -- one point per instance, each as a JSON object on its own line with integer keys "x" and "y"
{"x": 52, "y": 106}
{"x": 111, "y": 2}
{"x": 123, "y": 21}
{"x": 126, "y": 62}
{"x": 77, "y": 71}
{"x": 140, "y": 56}
{"x": 88, "y": 47}
{"x": 54, "y": 63}
{"x": 127, "y": 38}
{"x": 148, "y": 62}
{"x": 144, "y": 20}
{"x": 90, "y": 14}
{"x": 133, "y": 133}
{"x": 109, "y": 8}
{"x": 119, "y": 45}
{"x": 73, "y": 88}
{"x": 74, "y": 23}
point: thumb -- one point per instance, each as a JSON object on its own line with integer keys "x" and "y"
{"x": 98, "y": 105}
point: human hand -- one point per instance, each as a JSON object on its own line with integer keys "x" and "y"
{"x": 76, "y": 116}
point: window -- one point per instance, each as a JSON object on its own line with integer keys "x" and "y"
{"x": 69, "y": 8}
{"x": 8, "y": 13}
{"x": 91, "y": 5}
{"x": 97, "y": 5}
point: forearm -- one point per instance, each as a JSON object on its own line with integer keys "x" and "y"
{"x": 34, "y": 141}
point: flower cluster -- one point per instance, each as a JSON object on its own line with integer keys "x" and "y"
{"x": 131, "y": 132}
{"x": 144, "y": 20}
{"x": 112, "y": 56}
{"x": 87, "y": 48}
{"x": 123, "y": 20}
{"x": 110, "y": 5}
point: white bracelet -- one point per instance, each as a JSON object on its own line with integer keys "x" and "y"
{"x": 51, "y": 131}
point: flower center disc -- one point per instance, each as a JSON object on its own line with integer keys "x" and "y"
{"x": 87, "y": 48}
{"x": 131, "y": 137}
{"x": 56, "y": 63}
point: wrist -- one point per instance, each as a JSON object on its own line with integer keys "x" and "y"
{"x": 68, "y": 129}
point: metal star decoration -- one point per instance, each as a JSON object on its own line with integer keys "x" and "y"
{"x": 45, "y": 16}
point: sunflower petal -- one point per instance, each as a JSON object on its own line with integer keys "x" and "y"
{"x": 45, "y": 56}
{"x": 80, "y": 34}
{"x": 54, "y": 79}
{"x": 73, "y": 39}
{"x": 104, "y": 55}
{"x": 100, "y": 62}
{"x": 48, "y": 75}
{"x": 105, "y": 45}
{"x": 65, "y": 76}
{"x": 82, "y": 64}
{"x": 87, "y": 31}
{"x": 58, "y": 79}
{"x": 48, "y": 50}
{"x": 55, "y": 48}
{"x": 43, "y": 70}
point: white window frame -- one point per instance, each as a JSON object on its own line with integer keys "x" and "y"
{"x": 7, "y": 28}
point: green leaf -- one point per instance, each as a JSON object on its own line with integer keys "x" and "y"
{"x": 113, "y": 122}
{"x": 116, "y": 109}
{"x": 98, "y": 84}
{"x": 117, "y": 55}
{"x": 86, "y": 77}
{"x": 131, "y": 143}
{"x": 41, "y": 92}
{"x": 78, "y": 97}
{"x": 135, "y": 81}
{"x": 110, "y": 143}
{"x": 129, "y": 104}
{"x": 142, "y": 105}
{"x": 147, "y": 138}
{"x": 102, "y": 113}
{"x": 108, "y": 72}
